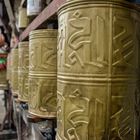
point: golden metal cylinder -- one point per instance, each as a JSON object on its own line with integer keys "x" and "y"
{"x": 42, "y": 72}
{"x": 23, "y": 70}
{"x": 23, "y": 19}
{"x": 14, "y": 74}
{"x": 97, "y": 89}
{"x": 34, "y": 7}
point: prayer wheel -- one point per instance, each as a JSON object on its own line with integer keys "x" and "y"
{"x": 34, "y": 7}
{"x": 23, "y": 19}
{"x": 14, "y": 71}
{"x": 98, "y": 71}
{"x": 42, "y": 72}
{"x": 23, "y": 70}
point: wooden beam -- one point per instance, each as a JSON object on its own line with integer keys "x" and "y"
{"x": 10, "y": 15}
{"x": 9, "y": 10}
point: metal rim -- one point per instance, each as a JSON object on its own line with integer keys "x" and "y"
{"x": 71, "y": 5}
{"x": 43, "y": 33}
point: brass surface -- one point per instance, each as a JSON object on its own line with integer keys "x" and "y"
{"x": 14, "y": 71}
{"x": 34, "y": 7}
{"x": 42, "y": 72}
{"x": 98, "y": 64}
{"x": 23, "y": 19}
{"x": 23, "y": 70}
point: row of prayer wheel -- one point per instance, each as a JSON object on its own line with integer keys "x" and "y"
{"x": 33, "y": 72}
{"x": 94, "y": 67}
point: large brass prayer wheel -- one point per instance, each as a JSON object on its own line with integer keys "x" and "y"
{"x": 14, "y": 71}
{"x": 23, "y": 71}
{"x": 42, "y": 72}
{"x": 23, "y": 19}
{"x": 98, "y": 64}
